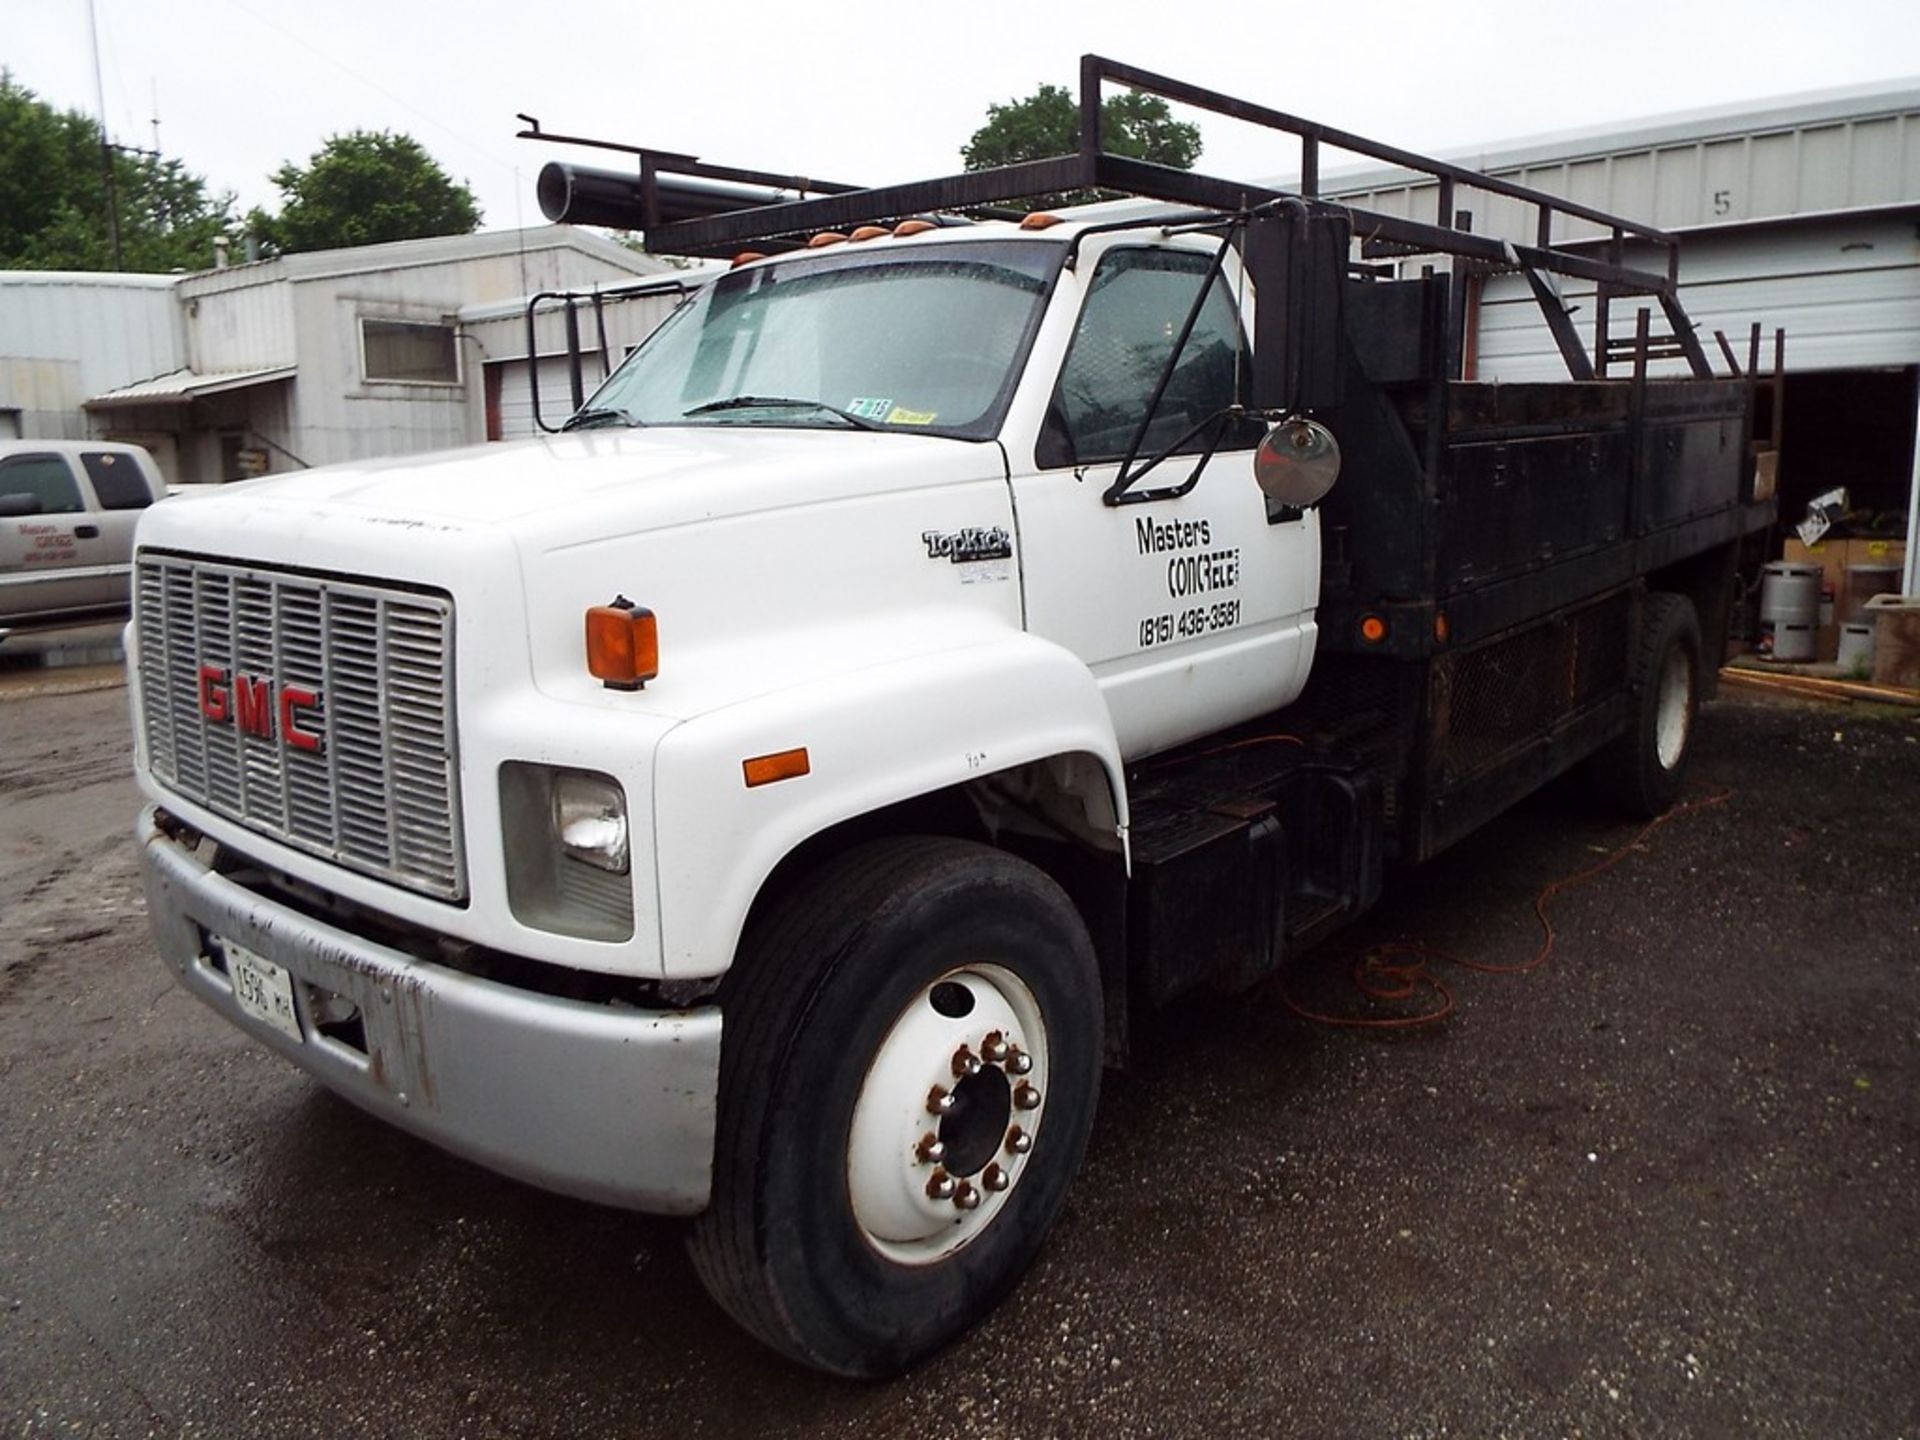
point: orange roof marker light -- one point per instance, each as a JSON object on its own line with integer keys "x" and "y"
{"x": 785, "y": 765}
{"x": 868, "y": 232}
{"x": 1039, "y": 220}
{"x": 825, "y": 238}
{"x": 913, "y": 227}
{"x": 623, "y": 645}
{"x": 747, "y": 257}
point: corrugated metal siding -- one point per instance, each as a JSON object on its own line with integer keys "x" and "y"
{"x": 242, "y": 327}
{"x": 65, "y": 337}
{"x": 1846, "y": 290}
{"x": 1769, "y": 172}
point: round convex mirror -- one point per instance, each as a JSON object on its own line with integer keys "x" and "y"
{"x": 1297, "y": 463}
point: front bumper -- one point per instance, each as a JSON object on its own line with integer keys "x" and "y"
{"x": 611, "y": 1105}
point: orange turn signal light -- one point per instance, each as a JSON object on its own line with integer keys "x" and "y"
{"x": 786, "y": 765}
{"x": 623, "y": 645}
{"x": 1373, "y": 629}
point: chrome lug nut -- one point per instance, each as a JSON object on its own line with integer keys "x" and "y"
{"x": 994, "y": 1178}
{"x": 994, "y": 1048}
{"x": 930, "y": 1150}
{"x": 965, "y": 1063}
{"x": 1018, "y": 1141}
{"x": 1018, "y": 1061}
{"x": 1025, "y": 1097}
{"x": 939, "y": 1102}
{"x": 940, "y": 1186}
{"x": 966, "y": 1197}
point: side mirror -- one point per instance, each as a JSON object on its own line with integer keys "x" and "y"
{"x": 1296, "y": 256}
{"x": 18, "y": 504}
{"x": 1296, "y": 465}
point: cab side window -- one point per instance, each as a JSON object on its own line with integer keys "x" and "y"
{"x": 116, "y": 480}
{"x": 38, "y": 485}
{"x": 1136, "y": 304}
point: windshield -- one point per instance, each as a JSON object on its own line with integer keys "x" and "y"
{"x": 923, "y": 340}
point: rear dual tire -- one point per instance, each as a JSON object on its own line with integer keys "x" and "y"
{"x": 1641, "y": 773}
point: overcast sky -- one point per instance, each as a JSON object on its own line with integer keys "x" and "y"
{"x": 870, "y": 93}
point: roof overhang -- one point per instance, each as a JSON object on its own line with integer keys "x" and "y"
{"x": 179, "y": 387}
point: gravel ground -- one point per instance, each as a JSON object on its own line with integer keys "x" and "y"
{"x": 1664, "y": 1185}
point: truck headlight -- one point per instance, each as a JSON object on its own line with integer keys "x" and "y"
{"x": 590, "y": 818}
{"x": 567, "y": 851}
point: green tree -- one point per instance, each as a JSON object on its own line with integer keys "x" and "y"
{"x": 53, "y": 197}
{"x": 363, "y": 188}
{"x": 1047, "y": 123}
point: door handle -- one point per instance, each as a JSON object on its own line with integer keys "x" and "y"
{"x": 87, "y": 532}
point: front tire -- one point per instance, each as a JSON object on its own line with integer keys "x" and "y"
{"x": 908, "y": 1078}
{"x": 1641, "y": 773}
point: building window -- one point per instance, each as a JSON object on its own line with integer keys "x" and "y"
{"x": 411, "y": 352}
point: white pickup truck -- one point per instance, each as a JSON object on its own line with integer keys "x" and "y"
{"x": 740, "y": 806}
{"x": 67, "y": 515}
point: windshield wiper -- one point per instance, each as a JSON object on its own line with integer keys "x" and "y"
{"x": 780, "y": 402}
{"x": 598, "y": 415}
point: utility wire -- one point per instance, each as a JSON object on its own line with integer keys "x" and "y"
{"x": 505, "y": 166}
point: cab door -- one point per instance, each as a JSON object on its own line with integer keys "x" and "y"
{"x": 51, "y": 554}
{"x": 1193, "y": 610}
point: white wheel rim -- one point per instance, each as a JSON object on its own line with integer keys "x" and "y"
{"x": 923, "y": 1182}
{"x": 1673, "y": 717}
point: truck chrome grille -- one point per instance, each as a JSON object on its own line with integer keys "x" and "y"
{"x": 347, "y": 752}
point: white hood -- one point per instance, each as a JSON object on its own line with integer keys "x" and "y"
{"x": 592, "y": 484}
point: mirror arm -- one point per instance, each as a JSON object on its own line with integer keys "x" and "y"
{"x": 1219, "y": 420}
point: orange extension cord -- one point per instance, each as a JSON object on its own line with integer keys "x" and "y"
{"x": 1398, "y": 969}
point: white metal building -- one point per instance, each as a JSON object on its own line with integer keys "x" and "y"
{"x": 65, "y": 335}
{"x": 608, "y": 326}
{"x": 1802, "y": 214}
{"x": 296, "y": 361}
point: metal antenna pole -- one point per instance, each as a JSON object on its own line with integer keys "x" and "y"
{"x": 106, "y": 147}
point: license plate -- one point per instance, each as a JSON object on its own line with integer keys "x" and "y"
{"x": 264, "y": 989}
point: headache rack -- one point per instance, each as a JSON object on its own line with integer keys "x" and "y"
{"x": 687, "y": 207}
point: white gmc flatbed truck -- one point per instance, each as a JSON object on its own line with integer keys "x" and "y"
{"x": 764, "y": 801}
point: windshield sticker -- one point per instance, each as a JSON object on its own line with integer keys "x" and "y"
{"x": 911, "y": 417}
{"x": 869, "y": 409}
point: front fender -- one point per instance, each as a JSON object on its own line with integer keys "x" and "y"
{"x": 873, "y": 737}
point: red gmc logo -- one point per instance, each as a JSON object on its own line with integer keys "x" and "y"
{"x": 249, "y": 702}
